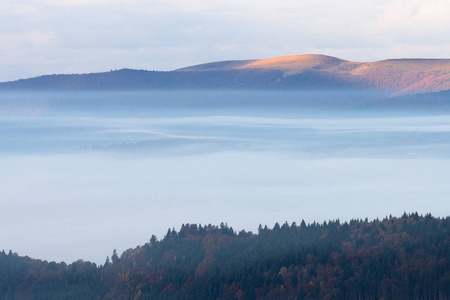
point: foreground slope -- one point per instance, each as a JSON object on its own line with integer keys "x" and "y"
{"x": 301, "y": 72}
{"x": 396, "y": 258}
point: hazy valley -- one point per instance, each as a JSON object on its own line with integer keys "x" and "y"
{"x": 102, "y": 161}
{"x": 241, "y": 157}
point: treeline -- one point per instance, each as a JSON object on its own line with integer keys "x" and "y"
{"x": 393, "y": 258}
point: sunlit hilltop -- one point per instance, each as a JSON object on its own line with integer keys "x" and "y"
{"x": 399, "y": 76}
{"x": 294, "y": 72}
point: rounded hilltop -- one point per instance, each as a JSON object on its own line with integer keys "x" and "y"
{"x": 296, "y": 63}
{"x": 290, "y": 64}
{"x": 293, "y": 72}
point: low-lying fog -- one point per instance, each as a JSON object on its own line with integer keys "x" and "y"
{"x": 83, "y": 174}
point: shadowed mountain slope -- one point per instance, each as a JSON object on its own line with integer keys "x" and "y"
{"x": 301, "y": 72}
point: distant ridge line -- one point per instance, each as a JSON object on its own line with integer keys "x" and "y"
{"x": 293, "y": 72}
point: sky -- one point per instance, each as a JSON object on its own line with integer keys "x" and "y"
{"x": 40, "y": 37}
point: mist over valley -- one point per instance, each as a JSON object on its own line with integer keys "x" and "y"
{"x": 88, "y": 172}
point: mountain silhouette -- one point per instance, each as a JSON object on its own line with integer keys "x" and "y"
{"x": 295, "y": 72}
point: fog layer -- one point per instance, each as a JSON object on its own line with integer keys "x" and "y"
{"x": 80, "y": 178}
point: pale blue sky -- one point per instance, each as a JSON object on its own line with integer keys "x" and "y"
{"x": 81, "y": 36}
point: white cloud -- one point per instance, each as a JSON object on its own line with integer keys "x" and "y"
{"x": 80, "y": 2}
{"x": 415, "y": 19}
{"x": 23, "y": 11}
{"x": 109, "y": 34}
{"x": 34, "y": 37}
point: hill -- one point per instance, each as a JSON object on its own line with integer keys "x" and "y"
{"x": 393, "y": 258}
{"x": 300, "y": 72}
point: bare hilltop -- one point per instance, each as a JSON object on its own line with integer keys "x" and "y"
{"x": 295, "y": 72}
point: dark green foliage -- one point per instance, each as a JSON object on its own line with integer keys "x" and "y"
{"x": 396, "y": 258}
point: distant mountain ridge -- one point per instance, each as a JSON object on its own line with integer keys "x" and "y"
{"x": 298, "y": 72}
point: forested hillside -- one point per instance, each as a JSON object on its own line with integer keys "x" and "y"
{"x": 306, "y": 72}
{"x": 393, "y": 258}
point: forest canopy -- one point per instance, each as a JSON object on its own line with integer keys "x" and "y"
{"x": 394, "y": 258}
